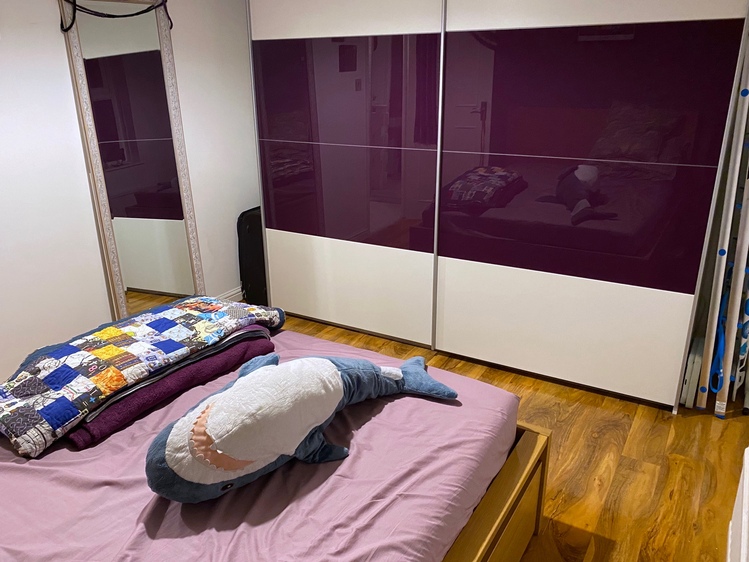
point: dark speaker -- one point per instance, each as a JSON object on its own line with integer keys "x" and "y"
{"x": 252, "y": 257}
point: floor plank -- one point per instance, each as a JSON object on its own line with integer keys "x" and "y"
{"x": 138, "y": 301}
{"x": 627, "y": 481}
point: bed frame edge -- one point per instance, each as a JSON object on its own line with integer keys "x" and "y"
{"x": 510, "y": 511}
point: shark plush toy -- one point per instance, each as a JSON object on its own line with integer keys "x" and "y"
{"x": 269, "y": 415}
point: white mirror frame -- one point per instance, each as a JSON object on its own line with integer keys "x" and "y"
{"x": 98, "y": 186}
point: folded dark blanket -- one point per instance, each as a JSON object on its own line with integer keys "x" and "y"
{"x": 246, "y": 344}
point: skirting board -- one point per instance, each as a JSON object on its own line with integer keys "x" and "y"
{"x": 620, "y": 338}
{"x": 372, "y": 288}
{"x": 232, "y": 295}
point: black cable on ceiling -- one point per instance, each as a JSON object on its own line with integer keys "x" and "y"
{"x": 91, "y": 12}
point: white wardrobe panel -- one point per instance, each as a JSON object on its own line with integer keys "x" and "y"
{"x": 373, "y": 288}
{"x": 619, "y": 338}
{"x": 289, "y": 19}
{"x": 466, "y": 15}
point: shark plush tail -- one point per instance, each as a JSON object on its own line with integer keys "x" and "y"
{"x": 417, "y": 381}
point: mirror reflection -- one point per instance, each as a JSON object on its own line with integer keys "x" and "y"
{"x": 348, "y": 134}
{"x": 130, "y": 110}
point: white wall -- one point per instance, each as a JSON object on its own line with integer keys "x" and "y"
{"x": 153, "y": 255}
{"x": 465, "y": 15}
{"x": 103, "y": 37}
{"x": 211, "y": 52}
{"x": 283, "y": 19}
{"x": 52, "y": 285}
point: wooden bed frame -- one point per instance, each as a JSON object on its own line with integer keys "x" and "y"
{"x": 510, "y": 512}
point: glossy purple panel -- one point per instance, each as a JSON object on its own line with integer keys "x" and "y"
{"x": 362, "y": 194}
{"x": 131, "y": 115}
{"x": 129, "y": 96}
{"x": 655, "y": 92}
{"x": 363, "y": 91}
{"x": 141, "y": 179}
{"x": 637, "y": 224}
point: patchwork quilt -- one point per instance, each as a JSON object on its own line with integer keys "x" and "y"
{"x": 484, "y": 187}
{"x": 57, "y": 386}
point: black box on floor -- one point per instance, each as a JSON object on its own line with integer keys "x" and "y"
{"x": 252, "y": 257}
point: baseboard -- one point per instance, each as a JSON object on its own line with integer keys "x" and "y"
{"x": 231, "y": 295}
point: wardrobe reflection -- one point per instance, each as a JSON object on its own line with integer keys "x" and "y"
{"x": 131, "y": 115}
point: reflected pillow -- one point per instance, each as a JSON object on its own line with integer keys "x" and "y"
{"x": 635, "y": 133}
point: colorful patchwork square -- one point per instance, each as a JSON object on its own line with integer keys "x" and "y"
{"x": 73, "y": 390}
{"x": 44, "y": 366}
{"x": 79, "y": 385}
{"x": 91, "y": 366}
{"x": 144, "y": 318}
{"x": 59, "y": 413}
{"x": 141, "y": 349}
{"x": 179, "y": 333}
{"x": 60, "y": 377}
{"x": 90, "y": 343}
{"x": 140, "y": 331}
{"x": 162, "y": 324}
{"x": 109, "y": 333}
{"x": 28, "y": 387}
{"x": 107, "y": 353}
{"x": 135, "y": 373}
{"x": 88, "y": 400}
{"x": 39, "y": 401}
{"x": 188, "y": 320}
{"x": 124, "y": 360}
{"x": 229, "y": 324}
{"x": 63, "y": 351}
{"x": 205, "y": 330}
{"x": 109, "y": 381}
{"x": 237, "y": 312}
{"x": 212, "y": 316}
{"x": 122, "y": 340}
{"x": 170, "y": 346}
{"x": 194, "y": 343}
{"x": 77, "y": 359}
{"x": 200, "y": 305}
{"x": 21, "y": 420}
{"x": 150, "y": 356}
{"x": 172, "y": 313}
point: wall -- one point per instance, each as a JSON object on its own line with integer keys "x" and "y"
{"x": 102, "y": 37}
{"x": 211, "y": 53}
{"x": 53, "y": 285}
{"x": 143, "y": 245}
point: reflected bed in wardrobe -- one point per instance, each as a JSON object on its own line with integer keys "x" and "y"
{"x": 417, "y": 470}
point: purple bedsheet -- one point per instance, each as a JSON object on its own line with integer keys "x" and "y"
{"x": 113, "y": 417}
{"x": 416, "y": 471}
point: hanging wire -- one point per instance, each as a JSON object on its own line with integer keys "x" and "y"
{"x": 91, "y": 12}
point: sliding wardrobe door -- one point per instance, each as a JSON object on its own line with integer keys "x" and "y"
{"x": 347, "y": 97}
{"x": 580, "y": 154}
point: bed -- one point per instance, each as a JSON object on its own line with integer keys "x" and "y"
{"x": 408, "y": 502}
{"x": 657, "y": 215}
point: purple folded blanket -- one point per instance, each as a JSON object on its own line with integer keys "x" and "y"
{"x": 121, "y": 412}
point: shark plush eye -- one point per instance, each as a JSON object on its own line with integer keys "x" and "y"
{"x": 228, "y": 486}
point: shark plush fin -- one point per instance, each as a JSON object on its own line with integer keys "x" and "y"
{"x": 417, "y": 381}
{"x": 257, "y": 362}
{"x": 315, "y": 449}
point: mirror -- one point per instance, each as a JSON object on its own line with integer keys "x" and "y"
{"x": 126, "y": 89}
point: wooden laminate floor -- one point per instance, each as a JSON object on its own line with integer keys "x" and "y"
{"x": 627, "y": 482}
{"x": 138, "y": 301}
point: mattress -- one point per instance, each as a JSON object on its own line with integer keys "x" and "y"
{"x": 416, "y": 470}
{"x": 641, "y": 205}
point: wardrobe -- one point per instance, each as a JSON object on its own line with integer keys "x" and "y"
{"x": 524, "y": 183}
